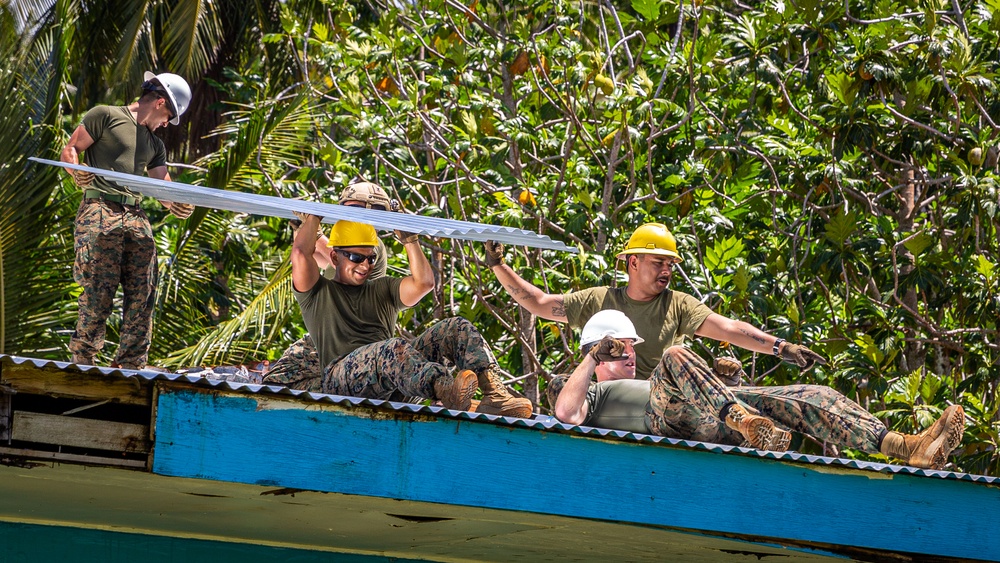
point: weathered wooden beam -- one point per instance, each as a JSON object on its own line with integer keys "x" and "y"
{"x": 75, "y": 458}
{"x": 80, "y": 432}
{"x": 6, "y": 413}
{"x": 53, "y": 382}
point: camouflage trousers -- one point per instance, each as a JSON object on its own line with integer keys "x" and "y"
{"x": 114, "y": 246}
{"x": 298, "y": 367}
{"x": 390, "y": 369}
{"x": 686, "y": 399}
{"x": 377, "y": 370}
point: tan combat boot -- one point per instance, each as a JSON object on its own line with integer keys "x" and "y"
{"x": 928, "y": 449}
{"x": 759, "y": 431}
{"x": 456, "y": 392}
{"x": 497, "y": 400}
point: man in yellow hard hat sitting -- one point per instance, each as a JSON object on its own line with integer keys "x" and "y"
{"x": 351, "y": 319}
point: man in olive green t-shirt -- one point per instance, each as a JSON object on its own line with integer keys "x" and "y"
{"x": 113, "y": 239}
{"x": 300, "y": 362}
{"x": 351, "y": 319}
{"x": 686, "y": 399}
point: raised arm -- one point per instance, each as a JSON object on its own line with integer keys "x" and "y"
{"x": 571, "y": 406}
{"x": 537, "y": 302}
{"x": 421, "y": 279}
{"x": 305, "y": 269}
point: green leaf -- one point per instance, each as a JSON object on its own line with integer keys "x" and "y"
{"x": 872, "y": 351}
{"x": 321, "y": 31}
{"x": 468, "y": 123}
{"x": 742, "y": 279}
{"x": 984, "y": 267}
{"x": 722, "y": 252}
{"x": 841, "y": 226}
{"x": 648, "y": 9}
{"x": 919, "y": 243}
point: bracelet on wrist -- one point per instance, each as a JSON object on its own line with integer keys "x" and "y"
{"x": 777, "y": 346}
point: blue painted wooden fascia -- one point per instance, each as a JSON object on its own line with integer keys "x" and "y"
{"x": 247, "y": 439}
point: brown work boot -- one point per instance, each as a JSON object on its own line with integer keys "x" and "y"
{"x": 456, "y": 392}
{"x": 497, "y": 400}
{"x": 930, "y": 448}
{"x": 759, "y": 431}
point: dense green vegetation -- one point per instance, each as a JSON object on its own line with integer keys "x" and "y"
{"x": 829, "y": 168}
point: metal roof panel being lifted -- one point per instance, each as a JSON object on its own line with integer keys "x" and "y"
{"x": 273, "y": 206}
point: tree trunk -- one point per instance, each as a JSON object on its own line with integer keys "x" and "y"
{"x": 914, "y": 353}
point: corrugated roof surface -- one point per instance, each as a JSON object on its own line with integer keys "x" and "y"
{"x": 542, "y": 423}
{"x": 266, "y": 205}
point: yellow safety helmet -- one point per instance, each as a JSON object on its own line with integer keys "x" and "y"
{"x": 651, "y": 238}
{"x": 367, "y": 193}
{"x": 348, "y": 233}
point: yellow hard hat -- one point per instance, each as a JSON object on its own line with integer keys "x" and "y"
{"x": 348, "y": 233}
{"x": 651, "y": 238}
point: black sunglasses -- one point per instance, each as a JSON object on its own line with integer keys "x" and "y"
{"x": 358, "y": 258}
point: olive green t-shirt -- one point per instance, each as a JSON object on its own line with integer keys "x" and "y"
{"x": 121, "y": 145}
{"x": 662, "y": 322}
{"x": 618, "y": 405}
{"x": 342, "y": 318}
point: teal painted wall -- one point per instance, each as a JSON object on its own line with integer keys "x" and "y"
{"x": 38, "y": 544}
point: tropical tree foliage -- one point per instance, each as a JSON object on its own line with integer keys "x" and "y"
{"x": 828, "y": 168}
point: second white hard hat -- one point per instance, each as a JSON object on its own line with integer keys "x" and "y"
{"x": 609, "y": 322}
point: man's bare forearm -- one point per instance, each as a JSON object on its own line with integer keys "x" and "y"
{"x": 536, "y": 301}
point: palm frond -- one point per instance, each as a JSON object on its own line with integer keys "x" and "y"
{"x": 33, "y": 274}
{"x": 247, "y": 335}
{"x": 191, "y": 35}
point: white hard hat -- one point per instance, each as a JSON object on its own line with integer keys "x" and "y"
{"x": 174, "y": 86}
{"x": 609, "y": 322}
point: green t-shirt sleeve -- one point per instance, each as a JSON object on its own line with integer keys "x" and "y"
{"x": 389, "y": 288}
{"x": 95, "y": 121}
{"x": 581, "y": 305}
{"x": 159, "y": 155}
{"x": 693, "y": 313}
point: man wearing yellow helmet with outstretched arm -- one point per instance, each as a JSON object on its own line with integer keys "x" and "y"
{"x": 352, "y": 318}
{"x": 687, "y": 400}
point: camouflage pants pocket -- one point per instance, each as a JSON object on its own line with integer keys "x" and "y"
{"x": 686, "y": 399}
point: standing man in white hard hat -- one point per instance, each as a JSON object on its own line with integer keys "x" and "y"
{"x": 619, "y": 402}
{"x": 112, "y": 235}
{"x": 687, "y": 400}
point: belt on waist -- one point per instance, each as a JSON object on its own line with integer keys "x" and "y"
{"x": 114, "y": 198}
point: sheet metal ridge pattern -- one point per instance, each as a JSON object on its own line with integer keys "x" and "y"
{"x": 259, "y": 204}
{"x": 539, "y": 423}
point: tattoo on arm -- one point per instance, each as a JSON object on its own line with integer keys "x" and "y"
{"x": 515, "y": 292}
{"x": 559, "y": 308}
{"x": 752, "y": 336}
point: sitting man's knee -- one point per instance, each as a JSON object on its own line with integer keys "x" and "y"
{"x": 676, "y": 353}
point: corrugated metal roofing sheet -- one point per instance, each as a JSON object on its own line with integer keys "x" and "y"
{"x": 542, "y": 423}
{"x": 266, "y": 205}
